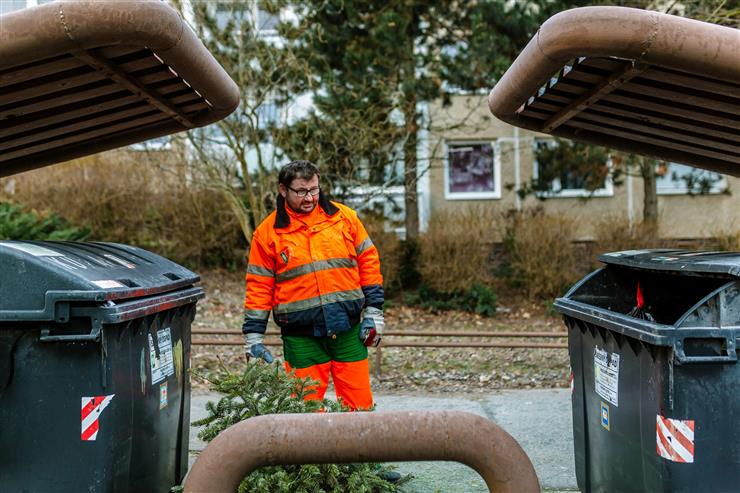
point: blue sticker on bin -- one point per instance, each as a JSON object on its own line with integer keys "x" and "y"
{"x": 605, "y": 416}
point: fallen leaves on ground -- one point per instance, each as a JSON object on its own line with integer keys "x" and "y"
{"x": 410, "y": 369}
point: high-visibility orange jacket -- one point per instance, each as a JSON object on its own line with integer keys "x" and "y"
{"x": 316, "y": 272}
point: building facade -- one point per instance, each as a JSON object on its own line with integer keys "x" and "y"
{"x": 475, "y": 159}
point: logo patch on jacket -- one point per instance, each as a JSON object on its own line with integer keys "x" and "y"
{"x": 285, "y": 255}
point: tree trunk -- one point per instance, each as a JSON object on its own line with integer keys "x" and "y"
{"x": 650, "y": 197}
{"x": 411, "y": 198}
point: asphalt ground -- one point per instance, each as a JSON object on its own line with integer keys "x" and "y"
{"x": 539, "y": 419}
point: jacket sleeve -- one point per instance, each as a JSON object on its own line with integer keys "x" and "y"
{"x": 260, "y": 286}
{"x": 368, "y": 262}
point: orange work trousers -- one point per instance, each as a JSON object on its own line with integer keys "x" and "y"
{"x": 351, "y": 381}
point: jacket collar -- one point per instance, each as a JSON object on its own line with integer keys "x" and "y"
{"x": 282, "y": 219}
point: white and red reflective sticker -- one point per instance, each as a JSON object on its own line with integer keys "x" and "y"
{"x": 675, "y": 439}
{"x": 572, "y": 383}
{"x": 92, "y": 407}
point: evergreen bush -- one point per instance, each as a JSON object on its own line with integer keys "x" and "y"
{"x": 478, "y": 299}
{"x": 266, "y": 389}
{"x": 16, "y": 224}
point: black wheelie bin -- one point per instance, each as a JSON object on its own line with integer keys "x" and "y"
{"x": 653, "y": 340}
{"x": 94, "y": 360}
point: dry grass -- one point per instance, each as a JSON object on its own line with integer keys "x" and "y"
{"x": 138, "y": 198}
{"x": 389, "y": 248}
{"x": 728, "y": 240}
{"x": 542, "y": 259}
{"x": 615, "y": 234}
{"x": 456, "y": 249}
{"x": 407, "y": 369}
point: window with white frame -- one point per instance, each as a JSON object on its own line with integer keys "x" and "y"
{"x": 566, "y": 169}
{"x": 472, "y": 170}
{"x": 680, "y": 179}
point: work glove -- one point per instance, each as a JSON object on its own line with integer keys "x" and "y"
{"x": 373, "y": 323}
{"x": 255, "y": 347}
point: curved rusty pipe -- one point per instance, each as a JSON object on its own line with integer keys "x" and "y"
{"x": 61, "y": 27}
{"x": 650, "y": 37}
{"x": 363, "y": 437}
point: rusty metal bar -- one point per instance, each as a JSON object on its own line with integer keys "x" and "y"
{"x": 636, "y": 136}
{"x": 671, "y": 110}
{"x": 78, "y": 77}
{"x": 387, "y": 343}
{"x": 45, "y": 69}
{"x": 112, "y": 129}
{"x": 80, "y": 124}
{"x": 700, "y": 137}
{"x": 679, "y": 50}
{"x": 138, "y": 46}
{"x": 660, "y": 119}
{"x": 684, "y": 98}
{"x": 606, "y": 86}
{"x": 421, "y": 333}
{"x": 678, "y": 79}
{"x": 30, "y": 122}
{"x": 103, "y": 87}
{"x": 627, "y": 33}
{"x": 363, "y": 437}
{"x": 135, "y": 86}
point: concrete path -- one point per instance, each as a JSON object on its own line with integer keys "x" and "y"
{"x": 540, "y": 420}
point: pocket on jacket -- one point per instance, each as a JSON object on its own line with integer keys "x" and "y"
{"x": 349, "y": 242}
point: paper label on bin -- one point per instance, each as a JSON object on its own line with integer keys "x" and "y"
{"x": 108, "y": 284}
{"x": 31, "y": 249}
{"x": 626, "y": 253}
{"x": 160, "y": 355}
{"x": 606, "y": 375}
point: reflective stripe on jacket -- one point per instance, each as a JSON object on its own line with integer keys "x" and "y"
{"x": 316, "y": 278}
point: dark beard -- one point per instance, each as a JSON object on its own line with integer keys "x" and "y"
{"x": 299, "y": 211}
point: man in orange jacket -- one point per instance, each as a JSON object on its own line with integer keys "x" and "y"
{"x": 312, "y": 264}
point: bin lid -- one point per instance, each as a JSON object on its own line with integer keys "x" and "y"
{"x": 35, "y": 274}
{"x": 679, "y": 261}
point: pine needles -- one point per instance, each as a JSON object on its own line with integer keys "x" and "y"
{"x": 17, "y": 224}
{"x": 266, "y": 389}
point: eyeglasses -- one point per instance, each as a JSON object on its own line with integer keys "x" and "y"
{"x": 303, "y": 192}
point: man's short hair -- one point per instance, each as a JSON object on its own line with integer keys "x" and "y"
{"x": 301, "y": 168}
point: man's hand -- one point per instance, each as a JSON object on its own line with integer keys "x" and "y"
{"x": 372, "y": 327}
{"x": 255, "y": 347}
